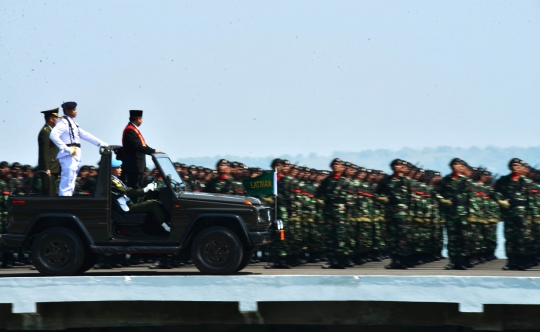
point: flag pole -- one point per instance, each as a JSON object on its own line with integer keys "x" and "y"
{"x": 275, "y": 195}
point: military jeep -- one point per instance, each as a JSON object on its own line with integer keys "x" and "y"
{"x": 65, "y": 235}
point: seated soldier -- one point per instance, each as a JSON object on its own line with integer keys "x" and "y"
{"x": 123, "y": 195}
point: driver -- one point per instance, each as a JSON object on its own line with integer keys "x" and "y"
{"x": 124, "y": 194}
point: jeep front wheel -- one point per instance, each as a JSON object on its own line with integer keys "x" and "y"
{"x": 57, "y": 251}
{"x": 217, "y": 250}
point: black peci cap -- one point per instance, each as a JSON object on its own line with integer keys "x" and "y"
{"x": 135, "y": 113}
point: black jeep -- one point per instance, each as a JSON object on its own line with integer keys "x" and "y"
{"x": 66, "y": 234}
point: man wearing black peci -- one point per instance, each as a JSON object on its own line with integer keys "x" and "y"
{"x": 134, "y": 151}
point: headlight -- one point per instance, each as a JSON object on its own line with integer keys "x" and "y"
{"x": 265, "y": 215}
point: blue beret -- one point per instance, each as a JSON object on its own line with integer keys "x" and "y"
{"x": 69, "y": 105}
{"x": 115, "y": 163}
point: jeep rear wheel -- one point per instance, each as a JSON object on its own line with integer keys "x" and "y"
{"x": 58, "y": 251}
{"x": 217, "y": 250}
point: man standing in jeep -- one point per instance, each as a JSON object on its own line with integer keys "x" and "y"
{"x": 135, "y": 151}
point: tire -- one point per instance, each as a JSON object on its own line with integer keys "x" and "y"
{"x": 58, "y": 251}
{"x": 90, "y": 259}
{"x": 217, "y": 250}
{"x": 248, "y": 254}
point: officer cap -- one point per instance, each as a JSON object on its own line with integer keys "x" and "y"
{"x": 276, "y": 162}
{"x": 222, "y": 162}
{"x": 4, "y": 164}
{"x": 15, "y": 165}
{"x": 91, "y": 167}
{"x": 457, "y": 161}
{"x": 486, "y": 173}
{"x": 234, "y": 164}
{"x": 313, "y": 171}
{"x": 307, "y": 169}
{"x": 396, "y": 162}
{"x": 67, "y": 106}
{"x": 135, "y": 113}
{"x": 362, "y": 169}
{"x": 336, "y": 161}
{"x": 53, "y": 112}
{"x": 200, "y": 168}
{"x": 325, "y": 172}
{"x": 85, "y": 168}
{"x": 182, "y": 165}
{"x": 286, "y": 162}
{"x": 115, "y": 163}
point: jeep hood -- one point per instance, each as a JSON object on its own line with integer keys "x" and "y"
{"x": 219, "y": 198}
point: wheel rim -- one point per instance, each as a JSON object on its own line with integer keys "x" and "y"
{"x": 56, "y": 252}
{"x": 216, "y": 251}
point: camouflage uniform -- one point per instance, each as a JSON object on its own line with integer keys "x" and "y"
{"x": 360, "y": 213}
{"x": 477, "y": 217}
{"x": 421, "y": 212}
{"x": 223, "y": 185}
{"x": 396, "y": 188}
{"x": 493, "y": 216}
{"x": 456, "y": 188}
{"x": 517, "y": 228}
{"x": 333, "y": 196}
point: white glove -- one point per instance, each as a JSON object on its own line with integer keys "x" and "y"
{"x": 150, "y": 187}
{"x": 104, "y": 145}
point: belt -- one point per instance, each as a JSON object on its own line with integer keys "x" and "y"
{"x": 74, "y": 144}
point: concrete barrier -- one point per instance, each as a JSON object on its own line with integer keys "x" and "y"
{"x": 471, "y": 293}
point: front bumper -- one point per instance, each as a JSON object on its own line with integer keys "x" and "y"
{"x": 261, "y": 238}
{"x": 13, "y": 240}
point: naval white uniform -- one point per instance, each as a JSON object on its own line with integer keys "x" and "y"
{"x": 67, "y": 136}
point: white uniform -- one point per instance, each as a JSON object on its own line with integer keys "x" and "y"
{"x": 67, "y": 136}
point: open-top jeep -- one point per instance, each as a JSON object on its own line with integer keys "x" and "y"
{"x": 66, "y": 234}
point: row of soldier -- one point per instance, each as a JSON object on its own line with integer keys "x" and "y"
{"x": 352, "y": 215}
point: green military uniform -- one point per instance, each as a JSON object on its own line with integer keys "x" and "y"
{"x": 492, "y": 213}
{"x": 395, "y": 189}
{"x": 514, "y": 189}
{"x": 119, "y": 189}
{"x": 333, "y": 196}
{"x": 420, "y": 212}
{"x": 224, "y": 185}
{"x": 359, "y": 214}
{"x": 48, "y": 152}
{"x": 455, "y": 188}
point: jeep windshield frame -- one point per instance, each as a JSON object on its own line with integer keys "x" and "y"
{"x": 166, "y": 168}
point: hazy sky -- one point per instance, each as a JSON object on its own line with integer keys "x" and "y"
{"x": 259, "y": 78}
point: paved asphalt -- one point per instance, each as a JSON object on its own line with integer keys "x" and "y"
{"x": 493, "y": 268}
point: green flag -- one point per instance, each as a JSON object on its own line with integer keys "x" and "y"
{"x": 262, "y": 185}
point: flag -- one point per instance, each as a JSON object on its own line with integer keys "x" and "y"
{"x": 262, "y": 185}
